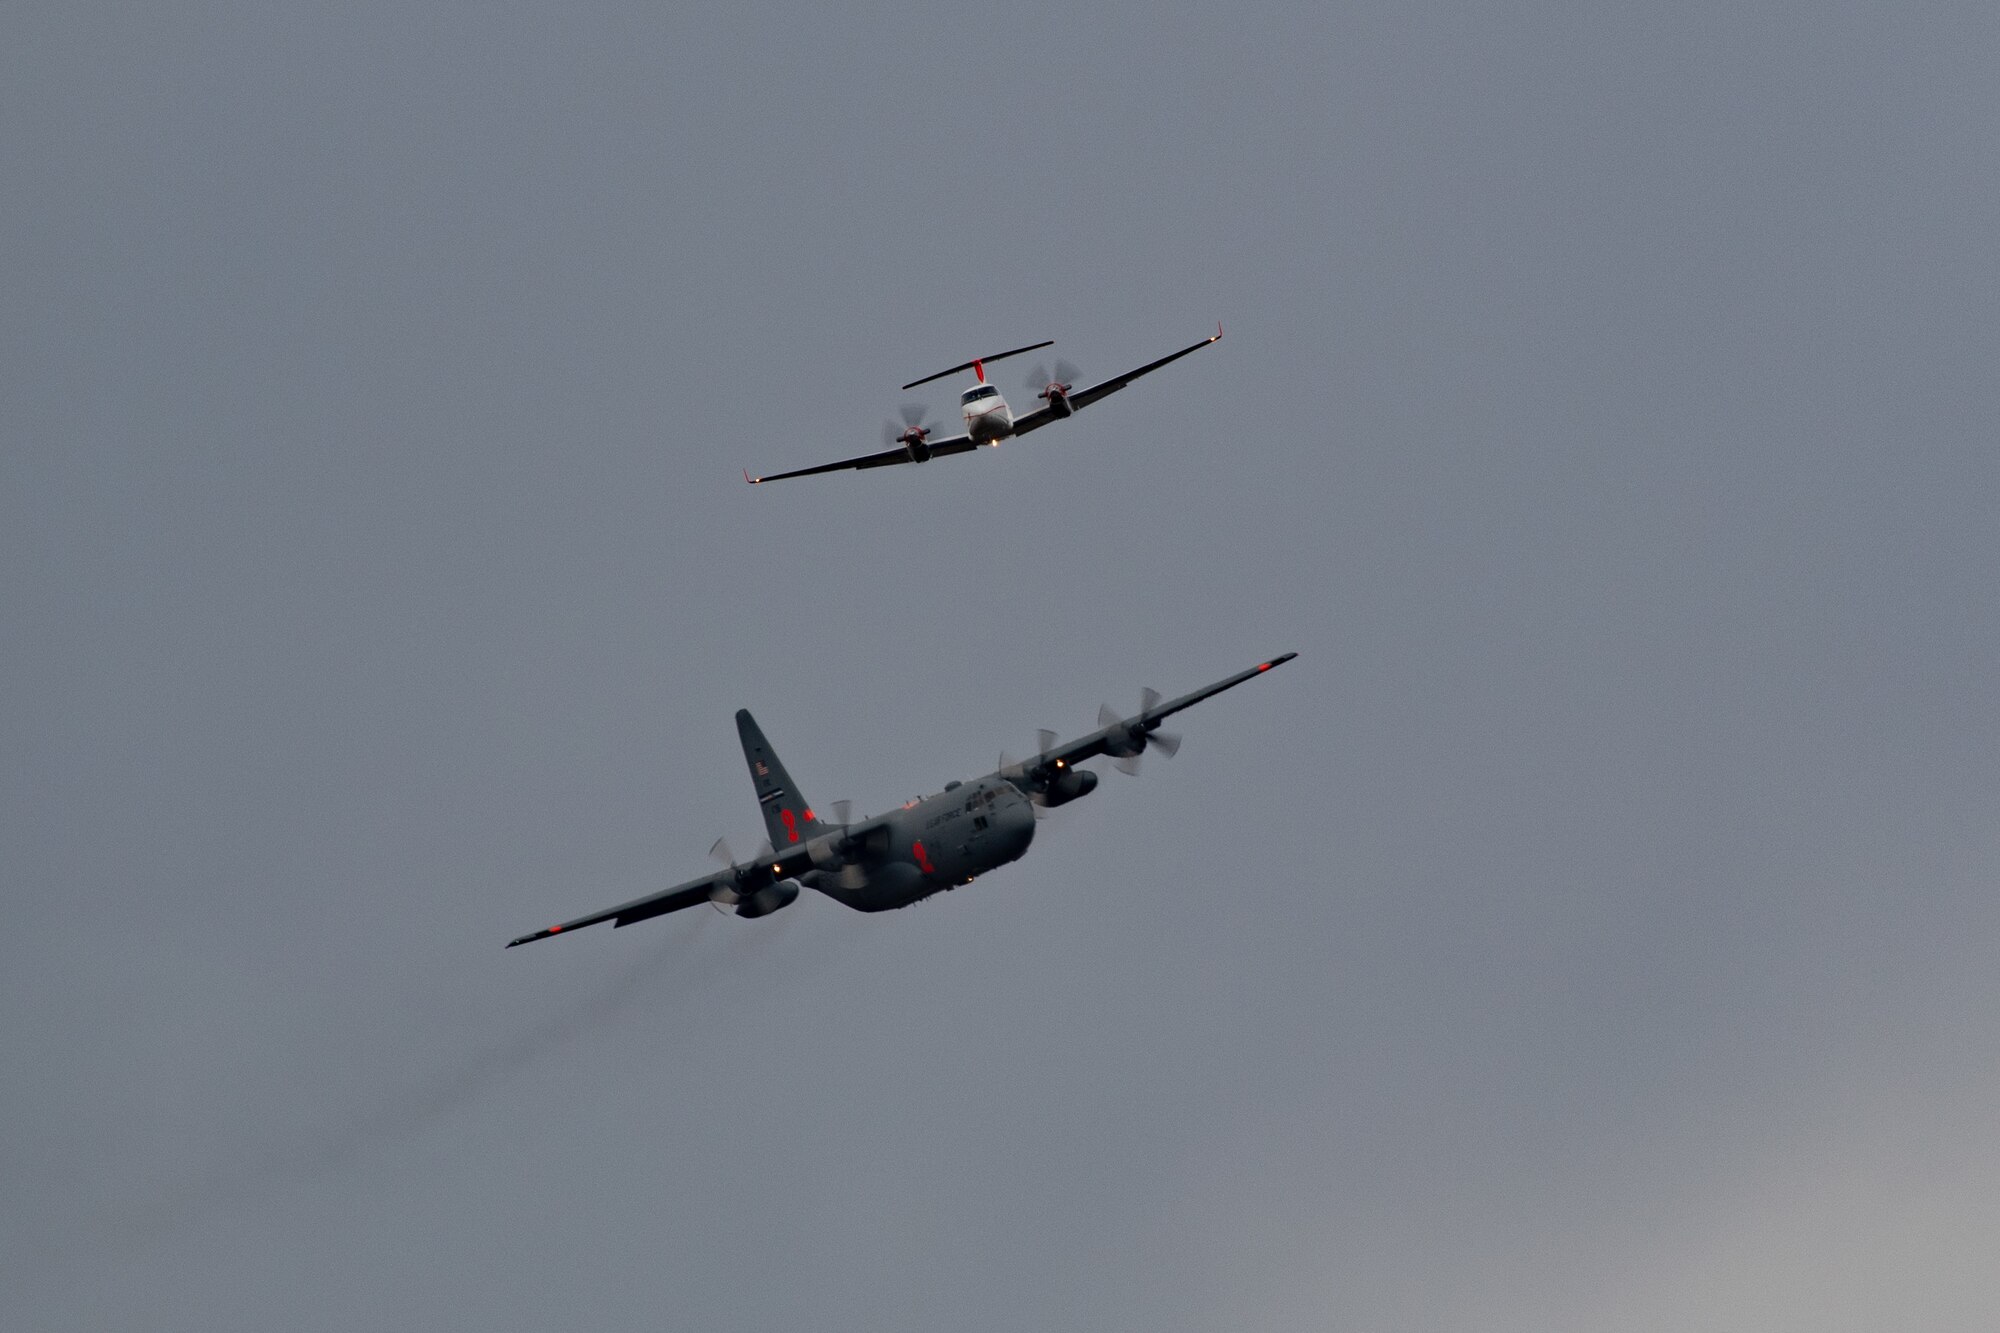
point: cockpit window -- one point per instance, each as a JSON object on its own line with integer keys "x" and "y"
{"x": 978, "y": 392}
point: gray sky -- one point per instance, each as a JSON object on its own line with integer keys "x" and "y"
{"x": 1594, "y": 927}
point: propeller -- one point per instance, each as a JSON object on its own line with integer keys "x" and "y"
{"x": 1042, "y": 383}
{"x": 914, "y": 425}
{"x": 1167, "y": 743}
{"x": 724, "y": 897}
{"x": 1131, "y": 737}
{"x": 853, "y": 875}
{"x": 1033, "y": 773}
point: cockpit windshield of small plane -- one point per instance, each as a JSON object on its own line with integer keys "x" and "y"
{"x": 977, "y": 392}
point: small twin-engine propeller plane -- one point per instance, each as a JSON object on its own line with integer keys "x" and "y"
{"x": 988, "y": 419}
{"x": 934, "y": 843}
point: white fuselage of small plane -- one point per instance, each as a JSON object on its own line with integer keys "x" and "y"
{"x": 987, "y": 417}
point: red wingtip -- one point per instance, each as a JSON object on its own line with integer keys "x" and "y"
{"x": 747, "y": 477}
{"x": 1218, "y": 332}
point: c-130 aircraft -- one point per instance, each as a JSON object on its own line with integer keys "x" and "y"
{"x": 933, "y": 844}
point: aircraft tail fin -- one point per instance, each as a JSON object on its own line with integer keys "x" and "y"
{"x": 788, "y": 816}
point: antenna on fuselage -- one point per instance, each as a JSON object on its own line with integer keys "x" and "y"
{"x": 978, "y": 364}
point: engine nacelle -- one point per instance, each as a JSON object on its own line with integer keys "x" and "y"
{"x": 915, "y": 447}
{"x": 1059, "y": 401}
{"x": 769, "y": 899}
{"x": 827, "y": 851}
{"x": 1066, "y": 785}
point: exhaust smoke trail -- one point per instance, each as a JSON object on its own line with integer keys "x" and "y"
{"x": 405, "y": 1113}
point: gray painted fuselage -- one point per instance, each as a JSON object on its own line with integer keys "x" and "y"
{"x": 933, "y": 844}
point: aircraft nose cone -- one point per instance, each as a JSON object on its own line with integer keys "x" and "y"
{"x": 1017, "y": 823}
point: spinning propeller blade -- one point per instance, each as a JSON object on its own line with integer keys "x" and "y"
{"x": 1130, "y": 737}
{"x": 913, "y": 423}
{"x": 1040, "y": 381}
{"x": 724, "y": 897}
{"x": 1021, "y": 769}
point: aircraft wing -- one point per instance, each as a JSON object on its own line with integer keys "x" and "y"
{"x": 952, "y": 444}
{"x": 742, "y": 879}
{"x": 1042, "y": 416}
{"x": 1098, "y": 742}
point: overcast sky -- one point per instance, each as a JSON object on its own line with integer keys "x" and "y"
{"x": 1594, "y": 927}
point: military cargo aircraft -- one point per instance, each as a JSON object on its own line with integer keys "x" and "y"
{"x": 932, "y": 844}
{"x": 988, "y": 419}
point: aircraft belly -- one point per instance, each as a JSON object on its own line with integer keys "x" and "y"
{"x": 896, "y": 884}
{"x": 877, "y": 900}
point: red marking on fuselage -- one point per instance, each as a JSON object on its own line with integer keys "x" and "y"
{"x": 791, "y": 825}
{"x": 923, "y": 857}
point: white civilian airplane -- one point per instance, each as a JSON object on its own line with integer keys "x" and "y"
{"x": 988, "y": 419}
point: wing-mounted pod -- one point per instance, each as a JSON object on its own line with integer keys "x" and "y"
{"x": 769, "y": 899}
{"x": 1065, "y": 786}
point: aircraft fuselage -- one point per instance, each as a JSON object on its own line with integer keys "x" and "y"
{"x": 933, "y": 844}
{"x": 987, "y": 416}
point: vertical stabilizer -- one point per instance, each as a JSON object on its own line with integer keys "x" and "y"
{"x": 788, "y": 817}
